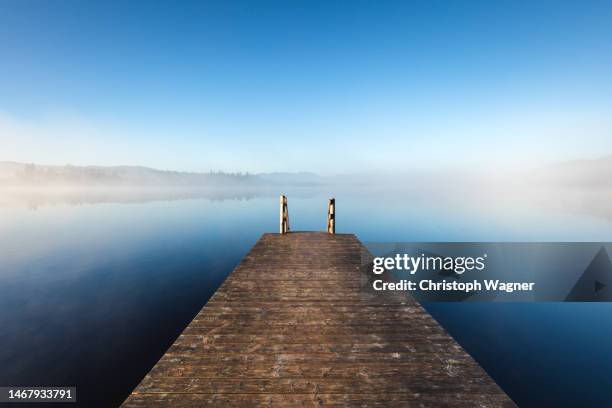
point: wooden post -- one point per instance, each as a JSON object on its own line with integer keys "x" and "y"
{"x": 284, "y": 215}
{"x": 331, "y": 216}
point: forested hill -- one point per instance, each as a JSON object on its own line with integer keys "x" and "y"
{"x": 28, "y": 174}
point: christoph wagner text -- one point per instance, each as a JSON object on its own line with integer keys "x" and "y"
{"x": 474, "y": 286}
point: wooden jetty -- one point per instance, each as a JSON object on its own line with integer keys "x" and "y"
{"x": 296, "y": 324}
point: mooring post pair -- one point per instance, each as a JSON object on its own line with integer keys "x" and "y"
{"x": 284, "y": 215}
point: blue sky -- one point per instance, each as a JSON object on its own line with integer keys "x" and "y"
{"x": 331, "y": 87}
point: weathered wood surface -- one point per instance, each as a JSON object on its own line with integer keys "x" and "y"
{"x": 294, "y": 325}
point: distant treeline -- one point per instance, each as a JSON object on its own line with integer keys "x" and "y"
{"x": 12, "y": 173}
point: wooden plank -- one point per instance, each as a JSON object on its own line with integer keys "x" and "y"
{"x": 297, "y": 324}
{"x": 244, "y": 400}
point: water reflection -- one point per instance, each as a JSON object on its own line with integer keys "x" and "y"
{"x": 586, "y": 201}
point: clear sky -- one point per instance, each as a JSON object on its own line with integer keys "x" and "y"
{"x": 330, "y": 87}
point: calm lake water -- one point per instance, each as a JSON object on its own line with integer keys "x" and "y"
{"x": 93, "y": 290}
